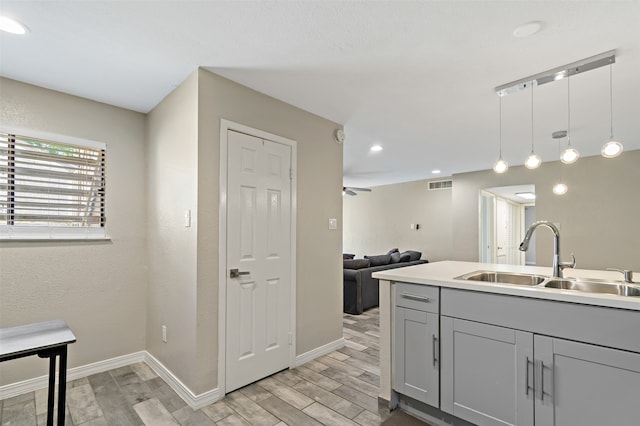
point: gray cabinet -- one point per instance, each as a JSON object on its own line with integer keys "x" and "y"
{"x": 586, "y": 385}
{"x": 487, "y": 373}
{"x": 416, "y": 349}
{"x": 493, "y": 375}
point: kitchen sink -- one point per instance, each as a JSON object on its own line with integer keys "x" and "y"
{"x": 503, "y": 278}
{"x": 541, "y": 281}
{"x": 605, "y": 287}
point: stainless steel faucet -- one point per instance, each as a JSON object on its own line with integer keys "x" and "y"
{"x": 557, "y": 265}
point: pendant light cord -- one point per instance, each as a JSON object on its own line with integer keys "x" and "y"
{"x": 500, "y": 130}
{"x": 568, "y": 111}
{"x": 611, "y": 97}
{"x": 531, "y": 117}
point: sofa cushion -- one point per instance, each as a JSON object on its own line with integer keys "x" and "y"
{"x": 405, "y": 257}
{"x": 413, "y": 255}
{"x": 356, "y": 263}
{"x": 347, "y": 256}
{"x": 395, "y": 257}
{"x": 381, "y": 259}
{"x": 393, "y": 250}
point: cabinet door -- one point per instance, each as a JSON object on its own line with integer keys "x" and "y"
{"x": 486, "y": 373}
{"x": 415, "y": 359}
{"x": 586, "y": 385}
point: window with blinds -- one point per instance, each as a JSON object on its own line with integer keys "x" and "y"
{"x": 51, "y": 189}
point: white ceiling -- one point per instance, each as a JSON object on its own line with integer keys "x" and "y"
{"x": 416, "y": 77}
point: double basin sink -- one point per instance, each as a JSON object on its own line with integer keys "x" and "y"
{"x": 577, "y": 284}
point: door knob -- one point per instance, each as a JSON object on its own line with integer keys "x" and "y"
{"x": 235, "y": 273}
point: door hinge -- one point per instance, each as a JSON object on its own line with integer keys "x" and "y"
{"x": 290, "y": 338}
{"x": 290, "y": 174}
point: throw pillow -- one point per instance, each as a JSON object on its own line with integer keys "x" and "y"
{"x": 379, "y": 260}
{"x": 405, "y": 257}
{"x": 395, "y": 257}
{"x": 355, "y": 263}
{"x": 393, "y": 250}
{"x": 414, "y": 255}
{"x": 348, "y": 256}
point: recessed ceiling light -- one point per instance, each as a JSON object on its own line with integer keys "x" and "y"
{"x": 376, "y": 148}
{"x": 528, "y": 29}
{"x": 560, "y": 189}
{"x": 526, "y": 195}
{"x": 436, "y": 171}
{"x": 12, "y": 26}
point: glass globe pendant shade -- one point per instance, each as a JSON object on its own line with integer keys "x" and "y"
{"x": 560, "y": 189}
{"x": 611, "y": 149}
{"x": 569, "y": 155}
{"x": 500, "y": 166}
{"x": 533, "y": 161}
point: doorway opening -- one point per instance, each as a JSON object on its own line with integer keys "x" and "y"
{"x": 505, "y": 214}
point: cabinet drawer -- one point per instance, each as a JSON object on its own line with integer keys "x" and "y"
{"x": 419, "y": 297}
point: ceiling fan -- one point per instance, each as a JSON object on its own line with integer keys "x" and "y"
{"x": 351, "y": 190}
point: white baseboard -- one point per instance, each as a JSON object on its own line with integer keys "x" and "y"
{"x": 30, "y": 385}
{"x": 319, "y": 351}
{"x": 194, "y": 401}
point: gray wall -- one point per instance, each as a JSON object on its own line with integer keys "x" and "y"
{"x": 172, "y": 175}
{"x": 98, "y": 288}
{"x": 377, "y": 221}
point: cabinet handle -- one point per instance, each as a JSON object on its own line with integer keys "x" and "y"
{"x": 435, "y": 349}
{"x": 526, "y": 377}
{"x": 415, "y": 297}
{"x": 541, "y": 378}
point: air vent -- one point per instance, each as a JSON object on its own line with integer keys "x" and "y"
{"x": 440, "y": 184}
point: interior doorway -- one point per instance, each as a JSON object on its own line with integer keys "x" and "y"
{"x": 505, "y": 214}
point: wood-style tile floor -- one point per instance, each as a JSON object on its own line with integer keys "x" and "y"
{"x": 337, "y": 389}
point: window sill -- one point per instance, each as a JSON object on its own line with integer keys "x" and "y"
{"x": 46, "y": 238}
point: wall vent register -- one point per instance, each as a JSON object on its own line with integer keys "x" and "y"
{"x": 440, "y": 184}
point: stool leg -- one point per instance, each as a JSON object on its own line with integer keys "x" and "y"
{"x": 62, "y": 385}
{"x": 52, "y": 389}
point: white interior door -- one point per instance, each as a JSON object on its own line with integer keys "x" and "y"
{"x": 503, "y": 225}
{"x": 487, "y": 228}
{"x": 509, "y": 217}
{"x": 258, "y": 307}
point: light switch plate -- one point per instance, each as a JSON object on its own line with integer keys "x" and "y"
{"x": 187, "y": 218}
{"x": 333, "y": 223}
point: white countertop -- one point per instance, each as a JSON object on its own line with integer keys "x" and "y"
{"x": 442, "y": 274}
{"x": 31, "y": 338}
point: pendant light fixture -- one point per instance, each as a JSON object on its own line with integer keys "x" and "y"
{"x": 533, "y": 161}
{"x": 559, "y": 188}
{"x": 570, "y": 155}
{"x": 500, "y": 166}
{"x": 613, "y": 148}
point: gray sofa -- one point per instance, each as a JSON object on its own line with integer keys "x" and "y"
{"x": 360, "y": 288}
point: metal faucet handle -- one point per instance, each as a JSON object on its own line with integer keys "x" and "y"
{"x": 571, "y": 264}
{"x": 628, "y": 275}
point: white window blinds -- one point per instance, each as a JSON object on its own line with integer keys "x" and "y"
{"x": 51, "y": 189}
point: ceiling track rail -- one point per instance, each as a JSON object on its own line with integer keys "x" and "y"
{"x": 558, "y": 73}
